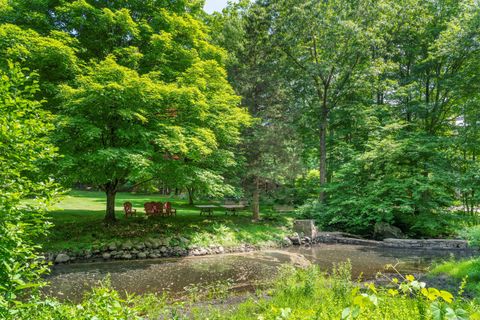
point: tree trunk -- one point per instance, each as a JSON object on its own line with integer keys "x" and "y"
{"x": 256, "y": 200}
{"x": 111, "y": 192}
{"x": 323, "y": 152}
{"x": 190, "y": 196}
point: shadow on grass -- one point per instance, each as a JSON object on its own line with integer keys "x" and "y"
{"x": 78, "y": 229}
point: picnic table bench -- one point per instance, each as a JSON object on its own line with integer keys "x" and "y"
{"x": 232, "y": 208}
{"x": 206, "y": 208}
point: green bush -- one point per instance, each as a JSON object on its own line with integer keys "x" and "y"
{"x": 472, "y": 234}
{"x": 101, "y": 303}
{"x": 311, "y": 294}
{"x": 25, "y": 191}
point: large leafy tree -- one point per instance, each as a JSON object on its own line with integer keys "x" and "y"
{"x": 326, "y": 47}
{"x": 118, "y": 126}
{"x": 143, "y": 89}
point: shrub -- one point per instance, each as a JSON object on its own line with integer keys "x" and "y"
{"x": 25, "y": 191}
{"x": 472, "y": 234}
{"x": 102, "y": 302}
{"x": 311, "y": 294}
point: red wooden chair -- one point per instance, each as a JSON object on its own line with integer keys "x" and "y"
{"x": 128, "y": 208}
{"x": 169, "y": 211}
{"x": 149, "y": 208}
{"x": 158, "y": 208}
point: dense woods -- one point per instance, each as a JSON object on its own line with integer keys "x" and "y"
{"x": 380, "y": 98}
{"x": 356, "y": 113}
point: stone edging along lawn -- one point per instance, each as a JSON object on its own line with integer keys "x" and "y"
{"x": 161, "y": 248}
{"x": 154, "y": 249}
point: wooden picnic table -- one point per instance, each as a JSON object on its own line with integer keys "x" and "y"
{"x": 233, "y": 208}
{"x": 206, "y": 208}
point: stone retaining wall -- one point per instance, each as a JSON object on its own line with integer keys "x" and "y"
{"x": 180, "y": 247}
{"x": 436, "y": 244}
{"x": 150, "y": 249}
{"x": 426, "y": 243}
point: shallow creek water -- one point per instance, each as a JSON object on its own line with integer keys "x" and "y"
{"x": 242, "y": 270}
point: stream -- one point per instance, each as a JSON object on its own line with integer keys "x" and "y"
{"x": 241, "y": 270}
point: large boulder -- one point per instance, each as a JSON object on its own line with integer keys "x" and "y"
{"x": 62, "y": 258}
{"x": 383, "y": 230}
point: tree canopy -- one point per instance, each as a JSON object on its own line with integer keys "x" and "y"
{"x": 139, "y": 89}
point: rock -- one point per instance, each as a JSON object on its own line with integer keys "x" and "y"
{"x": 112, "y": 247}
{"x": 200, "y": 252}
{"x": 62, "y": 258}
{"x": 306, "y": 240}
{"x": 295, "y": 240}
{"x": 106, "y": 256}
{"x": 154, "y": 243}
{"x": 142, "y": 255}
{"x": 220, "y": 249}
{"x": 287, "y": 242}
{"x": 140, "y": 246}
{"x": 127, "y": 245}
{"x": 163, "y": 249}
{"x": 50, "y": 257}
{"x": 148, "y": 244}
{"x": 384, "y": 230}
{"x": 153, "y": 255}
{"x": 127, "y": 256}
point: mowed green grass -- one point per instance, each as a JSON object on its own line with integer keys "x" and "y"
{"x": 78, "y": 224}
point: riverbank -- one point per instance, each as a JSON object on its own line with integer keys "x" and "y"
{"x": 78, "y": 229}
{"x": 314, "y": 292}
{"x": 187, "y": 275}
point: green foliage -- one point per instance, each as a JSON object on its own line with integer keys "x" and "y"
{"x": 306, "y": 187}
{"x": 310, "y": 294}
{"x": 139, "y": 88}
{"x": 381, "y": 95}
{"x": 468, "y": 269}
{"x": 408, "y": 174}
{"x": 24, "y": 147}
{"x": 472, "y": 234}
{"x": 102, "y": 302}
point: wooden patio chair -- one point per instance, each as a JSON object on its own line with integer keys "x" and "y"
{"x": 158, "y": 208}
{"x": 149, "y": 208}
{"x": 128, "y": 208}
{"x": 169, "y": 211}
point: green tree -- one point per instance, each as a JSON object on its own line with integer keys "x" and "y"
{"x": 118, "y": 126}
{"x": 269, "y": 146}
{"x": 326, "y": 47}
{"x": 158, "y": 99}
{"x": 25, "y": 190}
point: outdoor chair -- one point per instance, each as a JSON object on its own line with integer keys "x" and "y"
{"x": 169, "y": 211}
{"x": 158, "y": 208}
{"x": 128, "y": 208}
{"x": 150, "y": 208}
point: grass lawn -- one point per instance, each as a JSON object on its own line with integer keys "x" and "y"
{"x": 78, "y": 224}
